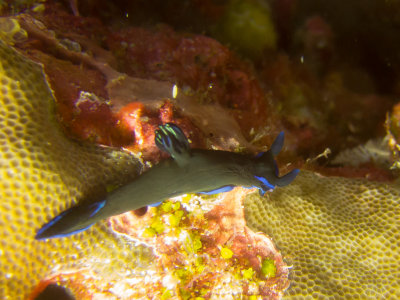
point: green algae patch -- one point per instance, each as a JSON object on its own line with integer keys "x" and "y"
{"x": 193, "y": 243}
{"x": 268, "y": 268}
{"x": 166, "y": 295}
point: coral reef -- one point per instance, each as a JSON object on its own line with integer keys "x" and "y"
{"x": 40, "y": 165}
{"x": 115, "y": 73}
{"x": 340, "y": 235}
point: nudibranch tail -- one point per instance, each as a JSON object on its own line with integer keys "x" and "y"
{"x": 287, "y": 178}
{"x": 71, "y": 221}
{"x": 267, "y": 168}
{"x": 277, "y": 145}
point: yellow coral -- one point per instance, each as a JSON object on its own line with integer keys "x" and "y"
{"x": 226, "y": 253}
{"x": 41, "y": 174}
{"x": 340, "y": 235}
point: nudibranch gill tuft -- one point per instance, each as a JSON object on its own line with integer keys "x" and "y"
{"x": 186, "y": 171}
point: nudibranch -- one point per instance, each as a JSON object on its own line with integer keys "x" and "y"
{"x": 186, "y": 171}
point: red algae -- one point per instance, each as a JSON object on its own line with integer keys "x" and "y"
{"x": 220, "y": 84}
{"x": 213, "y": 73}
{"x": 81, "y": 102}
{"x": 207, "y": 249}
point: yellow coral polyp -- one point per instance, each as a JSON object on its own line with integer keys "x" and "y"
{"x": 226, "y": 253}
{"x": 149, "y": 232}
{"x": 158, "y": 225}
{"x": 166, "y": 206}
{"x": 175, "y": 218}
{"x": 176, "y": 205}
{"x": 248, "y": 273}
{"x": 186, "y": 198}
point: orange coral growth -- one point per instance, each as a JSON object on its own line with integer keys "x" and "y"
{"x": 143, "y": 121}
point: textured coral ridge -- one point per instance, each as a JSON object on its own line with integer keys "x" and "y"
{"x": 341, "y": 236}
{"x": 43, "y": 173}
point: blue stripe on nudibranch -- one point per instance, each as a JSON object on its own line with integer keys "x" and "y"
{"x": 71, "y": 233}
{"x": 258, "y": 155}
{"x": 222, "y": 189}
{"x": 265, "y": 182}
{"x": 93, "y": 208}
{"x": 50, "y": 224}
{"x": 97, "y": 206}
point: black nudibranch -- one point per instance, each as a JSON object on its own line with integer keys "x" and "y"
{"x": 187, "y": 171}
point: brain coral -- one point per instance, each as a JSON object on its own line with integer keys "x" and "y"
{"x": 342, "y": 236}
{"x": 42, "y": 173}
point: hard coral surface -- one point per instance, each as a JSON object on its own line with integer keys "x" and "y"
{"x": 42, "y": 173}
{"x": 340, "y": 235}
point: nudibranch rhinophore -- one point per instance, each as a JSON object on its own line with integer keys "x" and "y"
{"x": 186, "y": 171}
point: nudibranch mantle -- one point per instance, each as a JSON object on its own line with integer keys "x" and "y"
{"x": 186, "y": 171}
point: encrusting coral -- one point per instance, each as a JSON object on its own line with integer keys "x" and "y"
{"x": 341, "y": 236}
{"x": 42, "y": 173}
